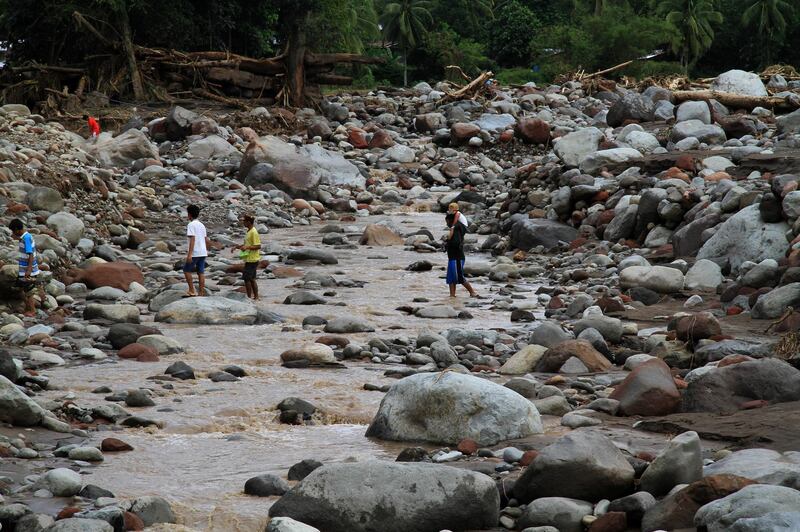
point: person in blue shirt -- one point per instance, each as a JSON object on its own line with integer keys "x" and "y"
{"x": 28, "y": 278}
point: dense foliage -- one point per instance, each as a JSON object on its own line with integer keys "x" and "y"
{"x": 520, "y": 40}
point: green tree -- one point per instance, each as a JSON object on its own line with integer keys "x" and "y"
{"x": 769, "y": 17}
{"x": 468, "y": 18}
{"x": 406, "y": 22}
{"x": 510, "y": 33}
{"x": 694, "y": 20}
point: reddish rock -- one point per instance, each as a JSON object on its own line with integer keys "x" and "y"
{"x": 16, "y": 208}
{"x": 756, "y": 403}
{"x": 649, "y": 390}
{"x": 132, "y": 521}
{"x": 533, "y": 130}
{"x": 605, "y": 217}
{"x": 115, "y": 274}
{"x": 610, "y": 304}
{"x": 461, "y": 132}
{"x": 734, "y": 310}
{"x": 357, "y": 137}
{"x": 686, "y": 162}
{"x": 334, "y": 341}
{"x": 528, "y": 457}
{"x": 148, "y": 357}
{"x": 555, "y": 380}
{"x": 717, "y": 176}
{"x": 600, "y": 197}
{"x": 507, "y": 136}
{"x": 285, "y": 272}
{"x": 381, "y": 139}
{"x": 451, "y": 169}
{"x": 467, "y": 446}
{"x": 555, "y": 303}
{"x": 733, "y": 359}
{"x": 696, "y": 327}
{"x": 380, "y": 235}
{"x": 677, "y": 511}
{"x": 556, "y": 356}
{"x": 135, "y": 350}
{"x": 610, "y": 522}
{"x": 67, "y": 512}
{"x": 113, "y": 445}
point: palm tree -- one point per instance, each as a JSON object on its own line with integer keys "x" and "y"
{"x": 694, "y": 20}
{"x": 406, "y": 22}
{"x": 769, "y": 18}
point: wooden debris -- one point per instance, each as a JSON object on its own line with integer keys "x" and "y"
{"x": 739, "y": 101}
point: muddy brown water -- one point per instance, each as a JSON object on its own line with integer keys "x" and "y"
{"x": 215, "y": 436}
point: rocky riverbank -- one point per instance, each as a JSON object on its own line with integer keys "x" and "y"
{"x": 630, "y": 364}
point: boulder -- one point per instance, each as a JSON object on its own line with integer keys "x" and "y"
{"x": 211, "y": 147}
{"x": 446, "y": 408}
{"x": 533, "y": 130}
{"x": 661, "y": 279}
{"x": 582, "y": 465}
{"x": 555, "y": 357}
{"x": 123, "y": 149}
{"x": 287, "y": 524}
{"x": 347, "y": 325}
{"x": 677, "y": 511}
{"x": 63, "y": 482}
{"x": 573, "y": 147}
{"x": 693, "y": 111}
{"x": 708, "y": 133}
{"x": 380, "y": 235}
{"x": 392, "y": 497}
{"x": 115, "y": 274}
{"x": 753, "y": 508}
{"x": 163, "y": 345}
{"x": 549, "y": 334}
{"x": 66, "y": 225}
{"x": 746, "y": 237}
{"x": 44, "y": 199}
{"x": 695, "y": 327}
{"x": 523, "y": 361}
{"x": 16, "y": 407}
{"x": 774, "y": 303}
{"x": 740, "y": 82}
{"x": 153, "y": 510}
{"x": 562, "y": 513}
{"x": 760, "y": 465}
{"x": 178, "y": 123}
{"x": 648, "y": 390}
{"x": 209, "y": 311}
{"x": 633, "y": 107}
{"x": 461, "y": 132}
{"x": 704, "y": 275}
{"x": 267, "y": 485}
{"x": 594, "y": 162}
{"x": 789, "y": 123}
{"x": 723, "y": 390}
{"x": 122, "y": 334}
{"x": 80, "y": 524}
{"x": 681, "y": 462}
{"x": 527, "y": 233}
{"x": 119, "y": 313}
{"x": 314, "y": 353}
{"x": 320, "y": 255}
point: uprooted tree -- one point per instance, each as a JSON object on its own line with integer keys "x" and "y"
{"x": 105, "y": 56}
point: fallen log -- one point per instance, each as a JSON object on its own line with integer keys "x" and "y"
{"x": 470, "y": 90}
{"x": 740, "y": 101}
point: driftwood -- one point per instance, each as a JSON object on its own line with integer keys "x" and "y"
{"x": 739, "y": 101}
{"x": 470, "y": 90}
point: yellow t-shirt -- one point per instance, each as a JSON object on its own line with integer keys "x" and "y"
{"x": 252, "y": 239}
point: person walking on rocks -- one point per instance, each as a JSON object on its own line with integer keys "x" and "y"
{"x": 94, "y": 126}
{"x": 28, "y": 278}
{"x": 458, "y": 224}
{"x": 197, "y": 252}
{"x": 251, "y": 253}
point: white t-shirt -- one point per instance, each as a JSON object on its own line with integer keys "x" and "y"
{"x": 198, "y": 231}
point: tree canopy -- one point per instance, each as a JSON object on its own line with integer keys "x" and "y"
{"x": 521, "y": 40}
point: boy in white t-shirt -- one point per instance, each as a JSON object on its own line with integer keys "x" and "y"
{"x": 197, "y": 252}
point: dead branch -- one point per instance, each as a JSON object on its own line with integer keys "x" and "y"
{"x": 739, "y": 101}
{"x": 470, "y": 90}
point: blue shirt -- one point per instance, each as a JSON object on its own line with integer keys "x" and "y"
{"x": 27, "y": 248}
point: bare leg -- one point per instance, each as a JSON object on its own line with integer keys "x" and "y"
{"x": 30, "y": 305}
{"x": 248, "y": 290}
{"x": 201, "y": 289}
{"x": 452, "y": 290}
{"x": 42, "y": 296}
{"x": 254, "y": 287}
{"x": 469, "y": 288}
{"x": 190, "y": 282}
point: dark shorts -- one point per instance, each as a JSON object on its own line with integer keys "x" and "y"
{"x": 198, "y": 265}
{"x": 455, "y": 271}
{"x": 28, "y": 285}
{"x": 250, "y": 271}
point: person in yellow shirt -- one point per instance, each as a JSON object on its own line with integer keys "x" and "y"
{"x": 251, "y": 254}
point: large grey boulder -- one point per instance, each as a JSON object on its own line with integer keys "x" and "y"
{"x": 448, "y": 407}
{"x": 63, "y": 482}
{"x": 661, "y": 279}
{"x": 299, "y": 170}
{"x": 632, "y": 106}
{"x": 755, "y": 508}
{"x": 549, "y": 334}
{"x": 761, "y": 465}
{"x": 16, "y": 407}
{"x": 681, "y": 462}
{"x": 66, "y": 225}
{"x": 121, "y": 313}
{"x": 527, "y": 233}
{"x": 211, "y": 147}
{"x": 153, "y": 510}
{"x": 740, "y": 82}
{"x": 495, "y": 122}
{"x": 209, "y": 311}
{"x": 79, "y": 524}
{"x": 595, "y": 162}
{"x": 287, "y": 524}
{"x": 123, "y": 149}
{"x": 774, "y": 303}
{"x": 789, "y": 124}
{"x": 561, "y": 513}
{"x": 746, "y": 237}
{"x": 723, "y": 390}
{"x": 708, "y": 133}
{"x": 693, "y": 111}
{"x": 392, "y": 497}
{"x": 44, "y": 199}
{"x": 623, "y": 224}
{"x": 583, "y": 465}
{"x": 573, "y": 147}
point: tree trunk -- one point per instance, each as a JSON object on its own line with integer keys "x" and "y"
{"x": 738, "y": 101}
{"x": 295, "y": 59}
{"x": 130, "y": 54}
{"x": 405, "y": 68}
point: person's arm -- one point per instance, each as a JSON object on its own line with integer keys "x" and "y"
{"x": 191, "y": 248}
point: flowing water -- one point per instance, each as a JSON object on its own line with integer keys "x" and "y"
{"x": 217, "y": 435}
